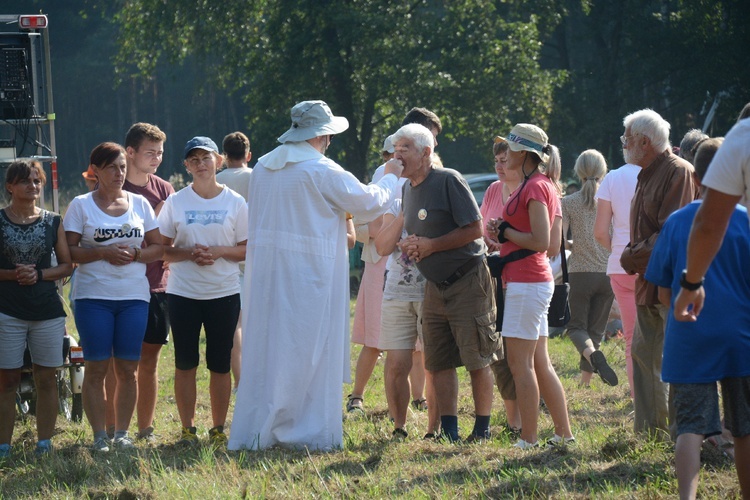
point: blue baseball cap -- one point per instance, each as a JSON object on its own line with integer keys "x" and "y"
{"x": 200, "y": 142}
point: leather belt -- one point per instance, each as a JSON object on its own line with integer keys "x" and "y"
{"x": 462, "y": 271}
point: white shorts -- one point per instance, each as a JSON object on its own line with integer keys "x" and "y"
{"x": 401, "y": 325}
{"x": 526, "y": 306}
{"x": 45, "y": 340}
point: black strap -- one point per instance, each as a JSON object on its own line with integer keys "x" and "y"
{"x": 462, "y": 271}
{"x": 496, "y": 264}
{"x": 564, "y": 260}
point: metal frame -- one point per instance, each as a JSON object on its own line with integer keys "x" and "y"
{"x": 48, "y": 119}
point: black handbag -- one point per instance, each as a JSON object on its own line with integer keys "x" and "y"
{"x": 559, "y": 310}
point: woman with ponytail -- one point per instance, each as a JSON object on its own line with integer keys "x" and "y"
{"x": 591, "y": 294}
{"x": 531, "y": 221}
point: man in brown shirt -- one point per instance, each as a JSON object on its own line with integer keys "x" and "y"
{"x": 665, "y": 184}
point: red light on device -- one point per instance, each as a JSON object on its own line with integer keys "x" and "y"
{"x": 32, "y": 22}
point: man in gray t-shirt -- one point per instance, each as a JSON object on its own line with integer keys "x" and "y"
{"x": 458, "y": 313}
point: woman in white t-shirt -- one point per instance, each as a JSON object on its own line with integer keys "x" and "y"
{"x": 612, "y": 231}
{"x": 105, "y": 230}
{"x": 204, "y": 227}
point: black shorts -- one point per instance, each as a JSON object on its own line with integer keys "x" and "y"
{"x": 218, "y": 317}
{"x": 157, "y": 329}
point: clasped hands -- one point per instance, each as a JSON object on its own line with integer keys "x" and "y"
{"x": 416, "y": 247}
{"x": 118, "y": 255}
{"x": 26, "y": 274}
{"x": 202, "y": 255}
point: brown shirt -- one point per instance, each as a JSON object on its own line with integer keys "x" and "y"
{"x": 664, "y": 186}
{"x": 156, "y": 191}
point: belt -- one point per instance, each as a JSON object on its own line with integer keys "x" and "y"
{"x": 462, "y": 271}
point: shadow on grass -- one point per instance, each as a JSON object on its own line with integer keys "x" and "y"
{"x": 82, "y": 472}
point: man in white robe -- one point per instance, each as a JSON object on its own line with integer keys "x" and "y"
{"x": 295, "y": 298}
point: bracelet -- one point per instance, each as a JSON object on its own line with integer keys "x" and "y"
{"x": 501, "y": 231}
{"x": 39, "y": 275}
{"x": 137, "y": 255}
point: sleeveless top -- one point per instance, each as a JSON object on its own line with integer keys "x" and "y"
{"x": 29, "y": 244}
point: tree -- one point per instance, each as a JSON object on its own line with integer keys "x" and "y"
{"x": 674, "y": 56}
{"x": 370, "y": 60}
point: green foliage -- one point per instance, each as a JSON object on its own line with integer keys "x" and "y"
{"x": 370, "y": 60}
{"x": 205, "y": 67}
{"x": 672, "y": 56}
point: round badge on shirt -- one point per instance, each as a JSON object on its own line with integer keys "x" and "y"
{"x": 126, "y": 228}
{"x": 422, "y": 214}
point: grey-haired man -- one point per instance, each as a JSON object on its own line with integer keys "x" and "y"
{"x": 458, "y": 312}
{"x": 665, "y": 184}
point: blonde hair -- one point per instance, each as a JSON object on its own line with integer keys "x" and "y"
{"x": 553, "y": 168}
{"x": 590, "y": 167}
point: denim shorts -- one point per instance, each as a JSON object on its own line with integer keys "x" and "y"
{"x": 111, "y": 328}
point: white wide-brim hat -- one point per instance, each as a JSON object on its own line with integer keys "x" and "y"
{"x": 527, "y": 137}
{"x": 313, "y": 119}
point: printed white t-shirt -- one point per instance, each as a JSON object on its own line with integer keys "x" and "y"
{"x": 100, "y": 279}
{"x": 403, "y": 282}
{"x": 189, "y": 220}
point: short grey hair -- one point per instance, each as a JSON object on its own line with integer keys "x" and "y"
{"x": 418, "y": 134}
{"x": 649, "y": 123}
{"x": 693, "y": 137}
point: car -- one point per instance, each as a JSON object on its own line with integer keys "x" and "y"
{"x": 479, "y": 184}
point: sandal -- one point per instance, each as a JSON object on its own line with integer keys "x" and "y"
{"x": 419, "y": 404}
{"x": 436, "y": 436}
{"x": 722, "y": 444}
{"x": 355, "y": 403}
{"x": 399, "y": 434}
{"x": 514, "y": 432}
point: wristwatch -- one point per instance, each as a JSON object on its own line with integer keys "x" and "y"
{"x": 684, "y": 283}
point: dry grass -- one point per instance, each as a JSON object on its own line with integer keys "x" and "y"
{"x": 608, "y": 461}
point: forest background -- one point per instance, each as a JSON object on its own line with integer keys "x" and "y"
{"x": 574, "y": 67}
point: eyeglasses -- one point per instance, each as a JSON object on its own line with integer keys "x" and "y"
{"x": 624, "y": 138}
{"x": 195, "y": 161}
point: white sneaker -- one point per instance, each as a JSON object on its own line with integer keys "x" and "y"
{"x": 101, "y": 444}
{"x": 525, "y": 445}
{"x": 123, "y": 443}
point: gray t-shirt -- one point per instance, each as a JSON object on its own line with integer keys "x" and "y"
{"x": 438, "y": 205}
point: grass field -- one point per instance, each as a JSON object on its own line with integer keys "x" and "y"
{"x": 608, "y": 460}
